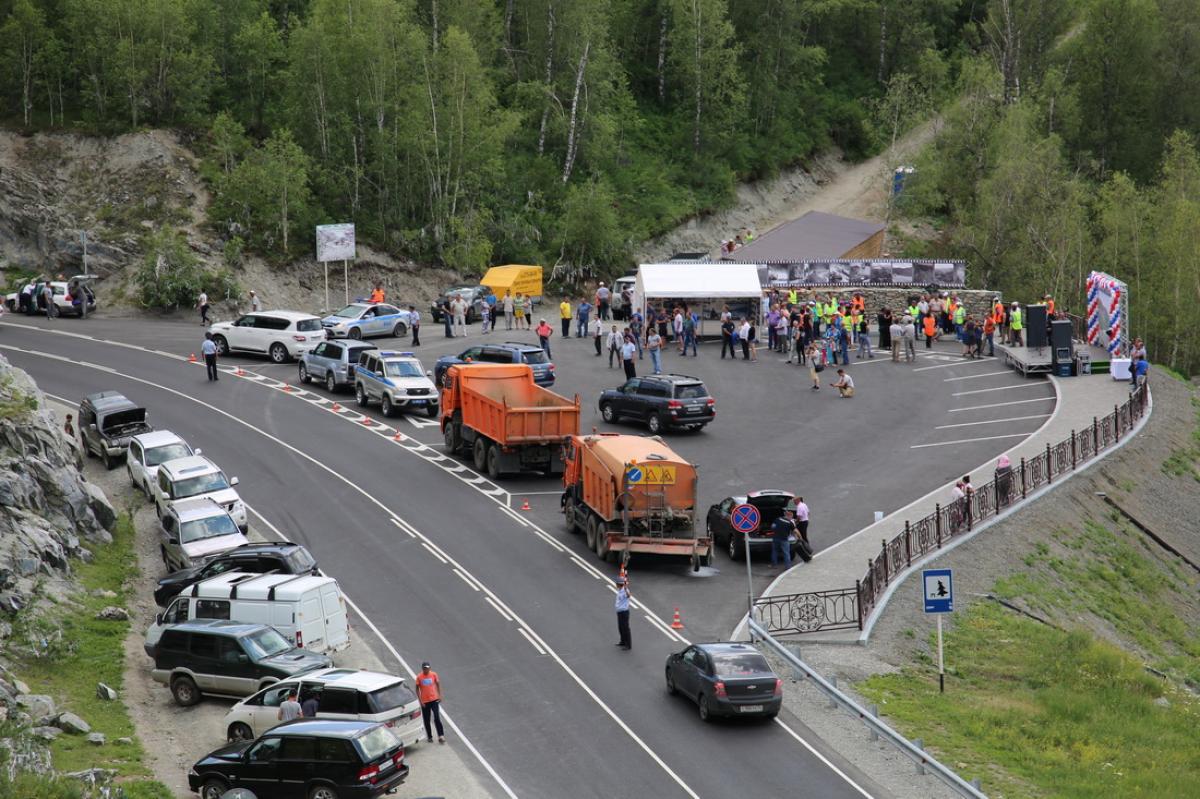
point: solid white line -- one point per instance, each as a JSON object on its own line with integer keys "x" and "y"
{"x": 612, "y": 714}
{"x": 499, "y": 609}
{"x": 822, "y": 758}
{"x": 412, "y": 675}
{"x": 999, "y": 405}
{"x": 662, "y": 628}
{"x": 972, "y": 377}
{"x": 970, "y": 440}
{"x": 513, "y": 514}
{"x": 532, "y": 642}
{"x": 411, "y": 534}
{"x": 997, "y": 388}
{"x": 964, "y": 362}
{"x": 993, "y": 421}
{"x": 433, "y": 552}
{"x": 466, "y": 580}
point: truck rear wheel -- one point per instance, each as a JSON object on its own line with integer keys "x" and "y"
{"x": 452, "y": 438}
{"x": 602, "y": 549}
{"x": 589, "y": 532}
{"x": 481, "y": 449}
{"x": 493, "y": 462}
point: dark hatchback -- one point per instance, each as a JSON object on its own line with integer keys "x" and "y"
{"x": 306, "y": 759}
{"x": 508, "y": 352}
{"x": 770, "y": 504}
{"x": 662, "y": 402}
{"x": 282, "y": 558}
{"x": 726, "y": 679}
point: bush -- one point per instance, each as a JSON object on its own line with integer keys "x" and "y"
{"x": 172, "y": 277}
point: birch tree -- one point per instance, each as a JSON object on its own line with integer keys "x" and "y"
{"x": 23, "y": 35}
{"x": 705, "y": 56}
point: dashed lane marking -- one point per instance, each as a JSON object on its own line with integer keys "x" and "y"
{"x": 974, "y": 377}
{"x": 993, "y": 421}
{"x": 532, "y": 642}
{"x": 998, "y": 388}
{"x": 970, "y": 440}
{"x": 1000, "y": 404}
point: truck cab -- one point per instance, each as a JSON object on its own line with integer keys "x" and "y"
{"x": 396, "y": 381}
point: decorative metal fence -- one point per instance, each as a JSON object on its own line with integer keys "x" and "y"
{"x": 850, "y": 607}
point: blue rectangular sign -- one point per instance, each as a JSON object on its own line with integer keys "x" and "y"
{"x": 938, "y": 588}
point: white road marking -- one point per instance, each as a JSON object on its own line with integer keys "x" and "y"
{"x": 514, "y": 514}
{"x": 965, "y": 362}
{"x": 411, "y": 534}
{"x": 466, "y": 580}
{"x": 998, "y": 405}
{"x": 433, "y": 552}
{"x": 993, "y": 421}
{"x": 499, "y": 609}
{"x": 822, "y": 758}
{"x": 532, "y": 642}
{"x": 422, "y": 422}
{"x": 970, "y": 440}
{"x": 998, "y": 388}
{"x": 973, "y": 377}
{"x": 667, "y": 631}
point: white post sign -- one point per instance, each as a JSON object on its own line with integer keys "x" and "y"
{"x": 938, "y": 592}
{"x": 336, "y": 243}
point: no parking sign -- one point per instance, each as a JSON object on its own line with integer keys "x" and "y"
{"x": 744, "y": 518}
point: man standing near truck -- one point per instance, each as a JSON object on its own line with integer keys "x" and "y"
{"x": 622, "y": 607}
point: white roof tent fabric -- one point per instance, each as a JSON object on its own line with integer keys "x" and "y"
{"x": 709, "y": 281}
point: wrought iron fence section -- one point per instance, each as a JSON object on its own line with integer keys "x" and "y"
{"x": 809, "y": 612}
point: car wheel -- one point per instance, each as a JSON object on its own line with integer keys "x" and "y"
{"x": 222, "y": 345}
{"x": 671, "y": 689}
{"x": 323, "y": 792}
{"x": 493, "y": 463}
{"x": 399, "y": 330}
{"x": 734, "y": 547}
{"x": 702, "y": 703}
{"x": 607, "y": 412}
{"x": 107, "y": 459}
{"x": 185, "y": 692}
{"x": 305, "y": 377}
{"x": 278, "y": 353}
{"x": 386, "y": 406}
{"x": 654, "y": 424}
{"x": 330, "y": 382}
{"x": 452, "y": 439}
{"x": 360, "y": 395}
{"x": 355, "y": 334}
{"x": 163, "y": 551}
{"x": 480, "y": 451}
{"x": 213, "y": 788}
{"x": 240, "y": 732}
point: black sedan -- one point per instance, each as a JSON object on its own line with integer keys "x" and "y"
{"x": 771, "y": 505}
{"x": 725, "y": 679}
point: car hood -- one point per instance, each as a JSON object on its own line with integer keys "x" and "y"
{"x": 223, "y": 327}
{"x": 228, "y": 752}
{"x": 210, "y": 546}
{"x": 297, "y": 661}
{"x": 180, "y": 578}
{"x": 334, "y": 321}
{"x": 222, "y": 497}
{"x": 412, "y": 382}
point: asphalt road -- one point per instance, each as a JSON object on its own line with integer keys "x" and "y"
{"x": 517, "y": 622}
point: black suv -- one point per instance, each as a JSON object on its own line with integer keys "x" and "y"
{"x": 661, "y": 401}
{"x": 314, "y": 758}
{"x": 226, "y": 658}
{"x": 508, "y": 352}
{"x": 273, "y": 556}
{"x": 107, "y": 420}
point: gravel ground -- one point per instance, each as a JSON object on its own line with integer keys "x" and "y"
{"x": 1133, "y": 477}
{"x": 176, "y": 737}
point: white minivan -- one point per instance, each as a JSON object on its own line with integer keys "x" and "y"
{"x": 308, "y": 611}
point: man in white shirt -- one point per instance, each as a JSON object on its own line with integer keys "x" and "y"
{"x": 677, "y": 326}
{"x": 802, "y": 518}
{"x": 615, "y": 341}
{"x": 897, "y": 332}
{"x": 459, "y": 308}
{"x": 628, "y": 353}
{"x": 202, "y": 304}
{"x": 508, "y": 310}
{"x": 744, "y": 337}
{"x": 255, "y": 302}
{"x": 909, "y": 336}
{"x": 844, "y": 385}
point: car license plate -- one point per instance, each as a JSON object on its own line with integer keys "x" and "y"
{"x": 694, "y": 410}
{"x": 418, "y": 402}
{"x": 752, "y": 708}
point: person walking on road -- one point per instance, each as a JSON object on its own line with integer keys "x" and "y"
{"x": 507, "y": 305}
{"x": 416, "y": 325}
{"x": 864, "y": 338}
{"x": 816, "y": 363}
{"x": 614, "y": 342}
{"x": 622, "y": 607}
{"x": 781, "y": 535}
{"x": 602, "y": 301}
{"x": 485, "y": 318}
{"x": 597, "y": 333}
{"x": 908, "y": 335}
{"x": 896, "y": 338}
{"x": 209, "y": 348}
{"x": 581, "y": 319}
{"x": 459, "y": 307}
{"x": 564, "y": 315}
{"x": 255, "y": 302}
{"x": 654, "y": 345}
{"x": 628, "y": 351}
{"x": 429, "y": 692}
{"x": 543, "y": 333}
{"x": 201, "y": 303}
{"x": 48, "y": 298}
{"x": 527, "y": 311}
{"x": 727, "y": 337}
{"x": 447, "y": 316}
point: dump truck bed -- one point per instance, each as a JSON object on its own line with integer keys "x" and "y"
{"x": 502, "y": 402}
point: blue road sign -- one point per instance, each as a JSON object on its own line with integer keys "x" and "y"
{"x": 633, "y": 474}
{"x": 939, "y": 590}
{"x": 744, "y": 518}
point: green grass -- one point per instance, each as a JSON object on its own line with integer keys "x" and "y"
{"x": 92, "y": 651}
{"x": 1184, "y": 460}
{"x": 15, "y": 405}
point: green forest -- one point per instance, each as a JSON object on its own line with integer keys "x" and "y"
{"x": 566, "y": 132}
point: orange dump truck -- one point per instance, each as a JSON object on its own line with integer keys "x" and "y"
{"x": 504, "y": 420}
{"x": 632, "y": 494}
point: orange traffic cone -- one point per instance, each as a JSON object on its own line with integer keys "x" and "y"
{"x": 398, "y": 437}
{"x": 192, "y": 358}
{"x": 239, "y": 372}
{"x": 525, "y": 505}
{"x": 286, "y": 387}
{"x": 336, "y": 408}
{"x": 676, "y": 624}
{"x": 366, "y": 421}
{"x": 622, "y": 572}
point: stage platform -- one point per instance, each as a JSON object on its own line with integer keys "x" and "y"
{"x": 1038, "y": 361}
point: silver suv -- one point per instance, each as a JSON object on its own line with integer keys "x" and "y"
{"x": 333, "y": 362}
{"x": 194, "y": 531}
{"x": 397, "y": 381}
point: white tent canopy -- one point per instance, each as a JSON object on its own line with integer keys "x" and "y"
{"x": 702, "y": 283}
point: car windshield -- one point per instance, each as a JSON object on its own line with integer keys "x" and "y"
{"x": 376, "y": 743}
{"x": 265, "y": 643}
{"x": 394, "y": 696}
{"x": 211, "y": 527}
{"x": 301, "y": 561}
{"x": 740, "y": 665}
{"x": 308, "y": 325}
{"x": 350, "y": 312}
{"x": 402, "y": 369}
{"x": 205, "y": 483}
{"x": 691, "y": 391}
{"x": 160, "y": 455}
{"x": 534, "y": 356}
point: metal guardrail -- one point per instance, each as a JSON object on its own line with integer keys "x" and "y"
{"x": 919, "y": 756}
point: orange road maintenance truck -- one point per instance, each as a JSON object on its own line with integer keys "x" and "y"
{"x": 632, "y": 494}
{"x": 506, "y": 422}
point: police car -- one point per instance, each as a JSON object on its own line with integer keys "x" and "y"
{"x": 396, "y": 380}
{"x": 362, "y": 319}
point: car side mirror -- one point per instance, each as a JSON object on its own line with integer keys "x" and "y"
{"x": 198, "y": 451}
{"x": 428, "y": 373}
{"x": 233, "y": 481}
{"x": 242, "y": 657}
{"x": 158, "y": 618}
{"x": 92, "y": 426}
{"x": 164, "y": 495}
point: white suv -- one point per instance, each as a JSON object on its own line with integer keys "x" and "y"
{"x": 346, "y": 694}
{"x": 396, "y": 380}
{"x": 196, "y": 476}
{"x": 194, "y": 531}
{"x": 283, "y": 335}
{"x": 147, "y": 451}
